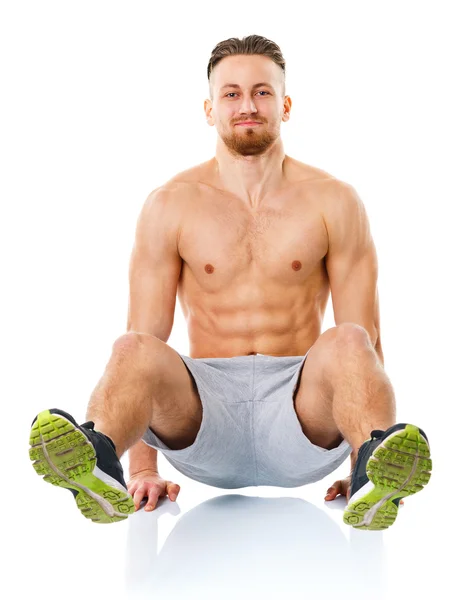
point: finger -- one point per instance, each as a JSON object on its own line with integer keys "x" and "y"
{"x": 138, "y": 496}
{"x": 339, "y": 487}
{"x": 131, "y": 487}
{"x": 333, "y": 491}
{"x": 153, "y": 495}
{"x": 172, "y": 490}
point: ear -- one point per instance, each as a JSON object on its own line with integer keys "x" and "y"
{"x": 287, "y": 108}
{"x": 208, "y": 112}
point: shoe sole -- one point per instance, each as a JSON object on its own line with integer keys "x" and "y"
{"x": 64, "y": 456}
{"x": 399, "y": 467}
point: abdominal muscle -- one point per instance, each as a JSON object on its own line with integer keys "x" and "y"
{"x": 275, "y": 332}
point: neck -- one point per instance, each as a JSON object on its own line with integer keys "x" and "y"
{"x": 250, "y": 178}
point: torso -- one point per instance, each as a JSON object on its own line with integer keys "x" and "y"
{"x": 254, "y": 280}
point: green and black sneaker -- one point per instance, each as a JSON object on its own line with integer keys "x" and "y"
{"x": 80, "y": 459}
{"x": 391, "y": 465}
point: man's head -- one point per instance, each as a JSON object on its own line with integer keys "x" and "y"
{"x": 247, "y": 83}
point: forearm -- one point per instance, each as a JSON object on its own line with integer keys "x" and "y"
{"x": 142, "y": 458}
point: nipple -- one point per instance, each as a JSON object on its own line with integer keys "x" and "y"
{"x": 296, "y": 265}
{"x": 209, "y": 268}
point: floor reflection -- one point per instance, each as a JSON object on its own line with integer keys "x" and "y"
{"x": 235, "y": 546}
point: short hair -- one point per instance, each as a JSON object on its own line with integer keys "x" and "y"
{"x": 251, "y": 44}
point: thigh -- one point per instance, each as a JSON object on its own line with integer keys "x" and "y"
{"x": 313, "y": 395}
{"x": 177, "y": 407}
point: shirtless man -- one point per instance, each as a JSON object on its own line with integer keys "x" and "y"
{"x": 252, "y": 242}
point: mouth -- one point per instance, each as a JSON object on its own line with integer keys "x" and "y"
{"x": 248, "y": 123}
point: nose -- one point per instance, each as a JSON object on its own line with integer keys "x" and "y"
{"x": 247, "y": 106}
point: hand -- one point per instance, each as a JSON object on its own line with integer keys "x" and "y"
{"x": 342, "y": 488}
{"x": 150, "y": 484}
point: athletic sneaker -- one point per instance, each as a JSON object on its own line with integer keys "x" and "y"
{"x": 391, "y": 465}
{"x": 82, "y": 460}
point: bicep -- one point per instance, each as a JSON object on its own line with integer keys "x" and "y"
{"x": 352, "y": 264}
{"x": 354, "y": 291}
{"x": 154, "y": 269}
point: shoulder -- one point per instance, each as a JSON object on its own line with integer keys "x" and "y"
{"x": 189, "y": 178}
{"x": 167, "y": 205}
{"x": 337, "y": 199}
{"x": 342, "y": 210}
{"x": 298, "y": 171}
{"x": 179, "y": 187}
{"x": 323, "y": 185}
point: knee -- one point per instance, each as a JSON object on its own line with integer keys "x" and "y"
{"x": 346, "y": 337}
{"x": 352, "y": 335}
{"x": 128, "y": 342}
{"x": 137, "y": 345}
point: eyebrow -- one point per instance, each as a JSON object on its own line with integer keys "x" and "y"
{"x": 235, "y": 85}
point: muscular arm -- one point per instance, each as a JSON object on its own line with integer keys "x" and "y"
{"x": 154, "y": 270}
{"x": 352, "y": 265}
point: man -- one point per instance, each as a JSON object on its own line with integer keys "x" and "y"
{"x": 252, "y": 241}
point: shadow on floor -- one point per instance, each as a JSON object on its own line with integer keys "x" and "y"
{"x": 236, "y": 546}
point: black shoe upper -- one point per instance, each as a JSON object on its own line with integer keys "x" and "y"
{"x": 359, "y": 477}
{"x": 105, "y": 450}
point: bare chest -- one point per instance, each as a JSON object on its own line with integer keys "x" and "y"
{"x": 223, "y": 242}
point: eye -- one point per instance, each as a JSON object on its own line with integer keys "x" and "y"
{"x": 260, "y": 92}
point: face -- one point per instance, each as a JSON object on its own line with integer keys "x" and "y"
{"x": 239, "y": 96}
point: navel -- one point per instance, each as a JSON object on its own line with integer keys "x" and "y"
{"x": 296, "y": 265}
{"x": 209, "y": 268}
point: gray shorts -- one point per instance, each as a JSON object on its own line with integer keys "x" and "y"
{"x": 250, "y": 434}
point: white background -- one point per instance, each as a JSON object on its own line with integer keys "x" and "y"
{"x": 102, "y": 102}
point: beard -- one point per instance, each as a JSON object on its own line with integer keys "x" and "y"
{"x": 250, "y": 141}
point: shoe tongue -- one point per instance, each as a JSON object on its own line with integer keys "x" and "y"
{"x": 91, "y": 425}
